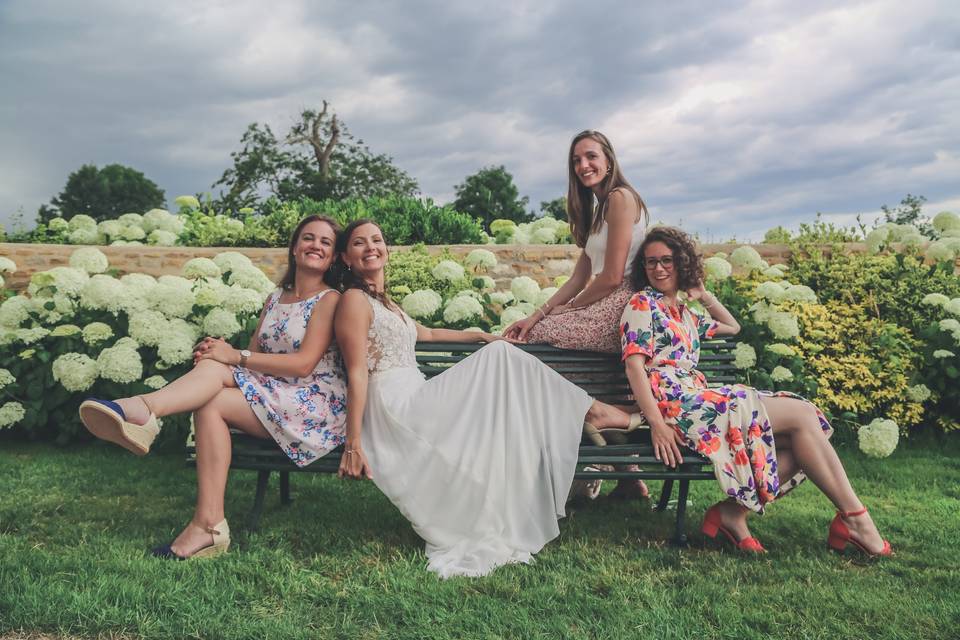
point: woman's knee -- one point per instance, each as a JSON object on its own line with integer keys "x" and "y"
{"x": 216, "y": 369}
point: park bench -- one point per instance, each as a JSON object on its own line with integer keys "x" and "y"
{"x": 600, "y": 375}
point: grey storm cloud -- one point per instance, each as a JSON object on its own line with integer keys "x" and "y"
{"x": 730, "y": 118}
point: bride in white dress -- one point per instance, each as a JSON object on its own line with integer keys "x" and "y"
{"x": 479, "y": 458}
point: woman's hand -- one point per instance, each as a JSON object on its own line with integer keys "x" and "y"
{"x": 518, "y": 330}
{"x": 665, "y": 440}
{"x": 492, "y": 337}
{"x": 698, "y": 292}
{"x": 215, "y": 349}
{"x": 353, "y": 464}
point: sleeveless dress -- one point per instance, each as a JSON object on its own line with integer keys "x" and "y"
{"x": 594, "y": 327}
{"x": 729, "y": 424}
{"x": 479, "y": 458}
{"x": 306, "y": 416}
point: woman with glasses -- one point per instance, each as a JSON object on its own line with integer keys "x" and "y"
{"x": 762, "y": 444}
{"x": 608, "y": 220}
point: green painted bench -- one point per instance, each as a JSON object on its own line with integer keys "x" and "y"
{"x": 600, "y": 375}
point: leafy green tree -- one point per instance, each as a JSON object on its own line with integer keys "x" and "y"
{"x": 909, "y": 212}
{"x": 103, "y": 194}
{"x": 317, "y": 159}
{"x": 490, "y": 194}
{"x": 556, "y": 208}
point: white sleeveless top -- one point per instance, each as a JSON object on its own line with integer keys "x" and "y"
{"x": 596, "y": 246}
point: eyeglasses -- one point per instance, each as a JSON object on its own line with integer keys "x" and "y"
{"x": 651, "y": 263}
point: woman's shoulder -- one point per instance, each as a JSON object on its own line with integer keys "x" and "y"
{"x": 645, "y": 299}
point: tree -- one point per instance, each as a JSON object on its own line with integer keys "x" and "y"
{"x": 909, "y": 212}
{"x": 317, "y": 159}
{"x": 556, "y": 208}
{"x": 104, "y": 193}
{"x": 490, "y": 194}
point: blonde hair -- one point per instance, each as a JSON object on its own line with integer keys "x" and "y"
{"x": 584, "y": 217}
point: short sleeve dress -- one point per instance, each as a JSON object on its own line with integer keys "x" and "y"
{"x": 306, "y": 416}
{"x": 728, "y": 424}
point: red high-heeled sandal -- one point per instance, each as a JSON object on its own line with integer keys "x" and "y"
{"x": 839, "y": 536}
{"x": 712, "y": 525}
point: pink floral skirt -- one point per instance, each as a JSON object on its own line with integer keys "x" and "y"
{"x": 595, "y": 327}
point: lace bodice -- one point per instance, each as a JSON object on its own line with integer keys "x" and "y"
{"x": 391, "y": 339}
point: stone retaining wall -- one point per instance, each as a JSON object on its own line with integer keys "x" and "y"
{"x": 542, "y": 262}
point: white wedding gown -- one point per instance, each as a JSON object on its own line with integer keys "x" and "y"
{"x": 479, "y": 458}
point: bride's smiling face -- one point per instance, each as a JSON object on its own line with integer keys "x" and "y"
{"x": 366, "y": 251}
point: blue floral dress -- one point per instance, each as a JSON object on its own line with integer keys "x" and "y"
{"x": 306, "y": 416}
{"x": 728, "y": 424}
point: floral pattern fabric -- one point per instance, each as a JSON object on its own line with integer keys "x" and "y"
{"x": 728, "y": 424}
{"x": 306, "y": 416}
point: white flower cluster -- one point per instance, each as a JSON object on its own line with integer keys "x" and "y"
{"x": 919, "y": 393}
{"x": 6, "y": 378}
{"x": 221, "y": 323}
{"x": 422, "y": 303}
{"x": 544, "y": 230}
{"x": 7, "y": 266}
{"x": 96, "y": 332}
{"x": 781, "y": 374}
{"x": 90, "y": 259}
{"x": 783, "y": 325}
{"x": 448, "y": 270}
{"x": 200, "y": 268}
{"x": 480, "y": 260}
{"x": 935, "y": 300}
{"x": 744, "y": 356}
{"x": 717, "y": 268}
{"x": 462, "y": 309}
{"x": 155, "y": 382}
{"x": 780, "y": 349}
{"x": 121, "y": 362}
{"x": 879, "y": 438}
{"x": 11, "y": 413}
{"x": 525, "y": 289}
{"x": 75, "y": 371}
{"x": 747, "y": 258}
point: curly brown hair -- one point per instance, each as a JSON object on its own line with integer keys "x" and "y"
{"x": 687, "y": 261}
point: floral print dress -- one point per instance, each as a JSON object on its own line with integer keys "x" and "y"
{"x": 306, "y": 416}
{"x": 727, "y": 424}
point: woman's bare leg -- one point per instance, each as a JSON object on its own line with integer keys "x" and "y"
{"x": 816, "y": 457}
{"x": 603, "y": 415}
{"x": 213, "y": 462}
{"x": 187, "y": 393}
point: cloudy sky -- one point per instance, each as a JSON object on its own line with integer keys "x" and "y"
{"x": 729, "y": 117}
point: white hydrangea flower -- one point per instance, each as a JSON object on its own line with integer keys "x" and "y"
{"x": 81, "y": 221}
{"x": 470, "y": 293}
{"x": 946, "y": 220}
{"x": 935, "y": 300}
{"x": 879, "y": 438}
{"x": 162, "y": 238}
{"x": 524, "y": 288}
{"x": 771, "y": 291}
{"x": 776, "y": 271}
{"x": 526, "y": 307}
{"x": 210, "y": 294}
{"x": 132, "y": 232}
{"x": 96, "y": 332}
{"x": 242, "y": 300}
{"x": 230, "y": 260}
{"x": 102, "y": 293}
{"x": 147, "y": 327}
{"x": 190, "y": 202}
{"x": 75, "y": 371}
{"x": 89, "y": 259}
{"x": 422, "y": 303}
{"x": 511, "y": 315}
{"x": 110, "y": 228}
{"x": 942, "y": 353}
{"x": 58, "y": 225}
{"x": 14, "y": 310}
{"x": 64, "y": 331}
{"x": 950, "y": 325}
{"x": 484, "y": 283}
{"x": 200, "y": 268}
{"x": 173, "y": 301}
{"x": 717, "y": 268}
{"x": 877, "y": 239}
{"x": 953, "y": 306}
{"x": 744, "y": 356}
{"x": 780, "y": 349}
{"x": 220, "y": 323}
{"x": 800, "y": 293}
{"x": 6, "y": 378}
{"x": 544, "y": 295}
{"x": 252, "y": 278}
{"x": 462, "y": 309}
{"x": 783, "y": 325}
{"x": 155, "y": 382}
{"x": 919, "y": 393}
{"x": 448, "y": 270}
{"x": 131, "y": 219}
{"x": 781, "y": 374}
{"x": 501, "y": 297}
{"x": 68, "y": 281}
{"x": 939, "y": 252}
{"x": 521, "y": 235}
{"x": 911, "y": 241}
{"x": 480, "y": 260}
{"x": 544, "y": 236}
{"x": 7, "y": 265}
{"x": 120, "y": 363}
{"x": 176, "y": 345}
{"x": 176, "y": 281}
{"x": 11, "y": 413}
{"x": 746, "y": 258}
{"x": 85, "y": 235}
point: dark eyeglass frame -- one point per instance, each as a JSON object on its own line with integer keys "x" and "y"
{"x": 666, "y": 262}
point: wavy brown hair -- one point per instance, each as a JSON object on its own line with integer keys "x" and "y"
{"x": 584, "y": 217}
{"x": 687, "y": 260}
{"x": 329, "y": 278}
{"x": 347, "y": 279}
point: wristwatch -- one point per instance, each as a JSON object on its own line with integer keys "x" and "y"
{"x": 244, "y": 354}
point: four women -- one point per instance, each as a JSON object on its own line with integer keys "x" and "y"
{"x": 481, "y": 457}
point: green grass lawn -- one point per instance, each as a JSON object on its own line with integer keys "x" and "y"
{"x": 341, "y": 562}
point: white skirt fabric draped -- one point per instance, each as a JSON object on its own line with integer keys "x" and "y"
{"x": 479, "y": 458}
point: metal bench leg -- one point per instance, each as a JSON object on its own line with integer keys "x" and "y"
{"x": 263, "y": 477}
{"x": 679, "y": 534}
{"x": 665, "y": 495}
{"x": 285, "y": 488}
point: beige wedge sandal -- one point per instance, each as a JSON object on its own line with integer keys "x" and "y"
{"x": 106, "y": 420}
